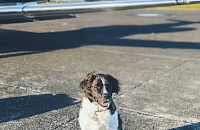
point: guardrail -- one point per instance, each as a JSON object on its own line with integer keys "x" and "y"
{"x": 33, "y": 10}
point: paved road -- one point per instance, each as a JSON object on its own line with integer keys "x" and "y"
{"x": 156, "y": 60}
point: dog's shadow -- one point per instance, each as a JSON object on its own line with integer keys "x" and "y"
{"x": 26, "y": 106}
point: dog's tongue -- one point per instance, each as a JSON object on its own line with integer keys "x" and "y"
{"x": 105, "y": 104}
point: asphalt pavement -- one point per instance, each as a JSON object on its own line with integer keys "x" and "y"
{"x": 155, "y": 58}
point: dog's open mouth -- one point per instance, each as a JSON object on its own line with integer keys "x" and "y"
{"x": 104, "y": 104}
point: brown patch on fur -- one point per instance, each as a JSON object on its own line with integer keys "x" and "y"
{"x": 86, "y": 86}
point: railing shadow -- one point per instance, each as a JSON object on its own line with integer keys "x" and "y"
{"x": 16, "y": 43}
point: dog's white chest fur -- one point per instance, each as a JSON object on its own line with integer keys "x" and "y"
{"x": 94, "y": 117}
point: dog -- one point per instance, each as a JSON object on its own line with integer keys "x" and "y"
{"x": 98, "y": 111}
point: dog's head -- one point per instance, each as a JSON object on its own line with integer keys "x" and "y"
{"x": 99, "y": 88}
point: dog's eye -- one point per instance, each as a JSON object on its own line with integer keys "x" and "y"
{"x": 97, "y": 86}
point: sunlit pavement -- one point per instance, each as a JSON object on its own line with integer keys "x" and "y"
{"x": 155, "y": 58}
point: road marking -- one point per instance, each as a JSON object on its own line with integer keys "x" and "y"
{"x": 140, "y": 54}
{"x": 165, "y": 116}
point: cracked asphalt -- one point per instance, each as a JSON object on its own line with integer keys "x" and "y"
{"x": 156, "y": 60}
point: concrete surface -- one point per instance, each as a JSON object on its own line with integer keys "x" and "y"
{"x": 156, "y": 59}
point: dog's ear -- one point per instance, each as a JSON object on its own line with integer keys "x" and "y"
{"x": 115, "y": 83}
{"x": 87, "y": 80}
{"x": 83, "y": 84}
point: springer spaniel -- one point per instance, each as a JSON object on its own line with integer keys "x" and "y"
{"x": 98, "y": 111}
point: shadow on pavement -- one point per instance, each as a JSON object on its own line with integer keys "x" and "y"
{"x": 16, "y": 43}
{"x": 21, "y": 107}
{"x": 188, "y": 127}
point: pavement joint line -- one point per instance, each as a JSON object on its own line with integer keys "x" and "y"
{"x": 150, "y": 80}
{"x": 38, "y": 91}
{"x": 169, "y": 117}
{"x": 140, "y": 54}
{"x": 61, "y": 124}
{"x": 170, "y": 57}
{"x": 23, "y": 88}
